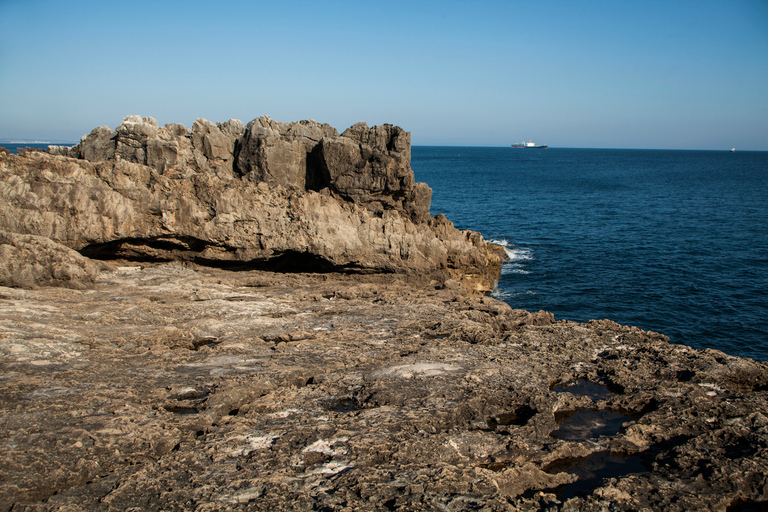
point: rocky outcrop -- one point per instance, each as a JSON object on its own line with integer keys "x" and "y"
{"x": 27, "y": 261}
{"x": 291, "y": 196}
{"x": 283, "y": 153}
{"x": 372, "y": 166}
{"x": 369, "y": 166}
{"x": 173, "y": 148}
{"x": 172, "y": 387}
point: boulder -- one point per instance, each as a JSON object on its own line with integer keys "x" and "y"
{"x": 98, "y": 145}
{"x": 27, "y": 261}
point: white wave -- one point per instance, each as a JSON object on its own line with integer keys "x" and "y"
{"x": 504, "y": 295}
{"x": 519, "y": 254}
{"x": 514, "y": 253}
{"x": 513, "y": 269}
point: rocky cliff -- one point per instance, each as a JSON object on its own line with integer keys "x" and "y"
{"x": 288, "y": 196}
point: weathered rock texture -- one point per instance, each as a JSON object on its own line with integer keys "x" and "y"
{"x": 389, "y": 386}
{"x": 170, "y": 387}
{"x": 292, "y": 196}
{"x": 364, "y": 165}
{"x": 27, "y": 261}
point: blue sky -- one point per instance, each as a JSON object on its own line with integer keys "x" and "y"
{"x": 672, "y": 74}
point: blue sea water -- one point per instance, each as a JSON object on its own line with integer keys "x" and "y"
{"x": 15, "y": 146}
{"x": 670, "y": 241}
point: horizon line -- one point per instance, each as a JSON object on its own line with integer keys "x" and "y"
{"x": 9, "y": 140}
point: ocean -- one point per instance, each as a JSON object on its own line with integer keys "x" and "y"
{"x": 668, "y": 241}
{"x": 14, "y": 147}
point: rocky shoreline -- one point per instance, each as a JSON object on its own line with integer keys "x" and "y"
{"x": 173, "y": 387}
{"x": 239, "y": 354}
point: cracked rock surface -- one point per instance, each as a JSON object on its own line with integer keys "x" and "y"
{"x": 176, "y": 387}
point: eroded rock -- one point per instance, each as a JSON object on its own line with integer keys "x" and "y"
{"x": 28, "y": 261}
{"x": 390, "y": 386}
{"x": 173, "y": 386}
{"x": 287, "y": 196}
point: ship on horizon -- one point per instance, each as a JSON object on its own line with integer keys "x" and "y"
{"x": 529, "y": 145}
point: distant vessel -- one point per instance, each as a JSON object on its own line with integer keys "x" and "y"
{"x": 733, "y": 150}
{"x": 529, "y": 145}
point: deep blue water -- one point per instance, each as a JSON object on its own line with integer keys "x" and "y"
{"x": 669, "y": 241}
{"x": 14, "y": 148}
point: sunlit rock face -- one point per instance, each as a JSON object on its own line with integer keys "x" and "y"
{"x": 293, "y": 196}
{"x": 173, "y": 385}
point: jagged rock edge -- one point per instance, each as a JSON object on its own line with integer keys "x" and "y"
{"x": 374, "y": 175}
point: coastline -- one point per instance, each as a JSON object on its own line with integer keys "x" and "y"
{"x": 670, "y": 241}
{"x": 267, "y": 317}
{"x": 176, "y": 386}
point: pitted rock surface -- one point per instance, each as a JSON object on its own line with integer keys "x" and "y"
{"x": 176, "y": 387}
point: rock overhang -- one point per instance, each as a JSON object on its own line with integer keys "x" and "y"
{"x": 265, "y": 194}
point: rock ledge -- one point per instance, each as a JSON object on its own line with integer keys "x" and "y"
{"x": 173, "y": 387}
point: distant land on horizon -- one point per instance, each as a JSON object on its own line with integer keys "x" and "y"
{"x": 11, "y": 140}
{"x": 589, "y": 147}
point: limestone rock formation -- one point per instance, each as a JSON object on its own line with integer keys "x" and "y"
{"x": 282, "y": 153}
{"x": 373, "y": 166}
{"x": 27, "y": 261}
{"x": 293, "y": 196}
{"x": 177, "y": 387}
{"x": 99, "y": 145}
{"x": 370, "y": 166}
{"x": 173, "y": 148}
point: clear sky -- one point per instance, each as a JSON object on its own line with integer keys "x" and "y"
{"x": 688, "y": 74}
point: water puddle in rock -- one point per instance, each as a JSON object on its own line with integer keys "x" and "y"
{"x": 585, "y": 424}
{"x": 585, "y": 388}
{"x": 592, "y": 470}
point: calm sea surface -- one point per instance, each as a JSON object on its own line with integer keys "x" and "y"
{"x": 14, "y": 147}
{"x": 669, "y": 241}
